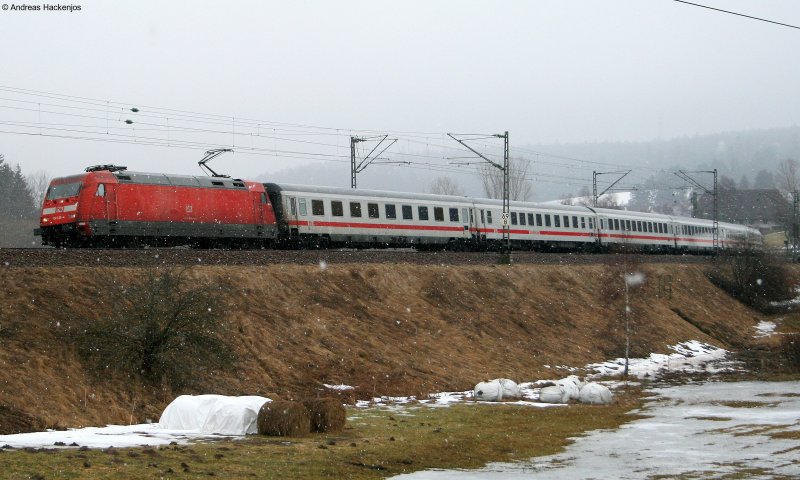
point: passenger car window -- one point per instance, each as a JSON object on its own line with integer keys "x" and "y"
{"x": 489, "y": 217}
{"x": 547, "y": 220}
{"x": 355, "y": 209}
{"x": 557, "y": 221}
{"x": 438, "y": 214}
{"x": 453, "y": 214}
{"x": 538, "y": 219}
{"x": 423, "y": 213}
{"x": 391, "y": 211}
{"x": 408, "y": 212}
{"x": 337, "y": 210}
{"x": 373, "y": 211}
{"x": 303, "y": 207}
{"x": 513, "y": 218}
{"x": 574, "y": 221}
{"x": 317, "y": 207}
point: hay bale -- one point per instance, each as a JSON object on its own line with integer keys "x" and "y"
{"x": 327, "y": 414}
{"x": 283, "y": 419}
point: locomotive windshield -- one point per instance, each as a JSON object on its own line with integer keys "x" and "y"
{"x": 63, "y": 191}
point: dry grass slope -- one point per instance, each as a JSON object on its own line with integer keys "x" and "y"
{"x": 385, "y": 329}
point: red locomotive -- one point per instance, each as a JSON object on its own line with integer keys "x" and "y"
{"x": 110, "y": 206}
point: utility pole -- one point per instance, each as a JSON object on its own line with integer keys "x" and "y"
{"x": 368, "y": 160}
{"x": 795, "y": 227}
{"x": 506, "y": 242}
{"x": 713, "y": 192}
{"x": 595, "y": 195}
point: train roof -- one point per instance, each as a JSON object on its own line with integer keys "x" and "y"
{"x": 125, "y": 176}
{"x": 414, "y": 196}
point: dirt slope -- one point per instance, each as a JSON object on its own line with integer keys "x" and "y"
{"x": 387, "y": 329}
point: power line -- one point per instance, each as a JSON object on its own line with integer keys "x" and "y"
{"x": 738, "y": 14}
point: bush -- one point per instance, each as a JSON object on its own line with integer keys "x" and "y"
{"x": 754, "y": 277}
{"x": 163, "y": 327}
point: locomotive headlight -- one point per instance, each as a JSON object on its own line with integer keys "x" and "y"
{"x": 45, "y": 220}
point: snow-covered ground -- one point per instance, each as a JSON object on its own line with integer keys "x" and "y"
{"x": 764, "y": 329}
{"x": 687, "y": 356}
{"x": 698, "y": 431}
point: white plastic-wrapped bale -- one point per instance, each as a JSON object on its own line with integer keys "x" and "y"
{"x": 596, "y": 394}
{"x": 496, "y": 390}
{"x": 554, "y": 394}
{"x": 213, "y": 414}
{"x": 572, "y": 385}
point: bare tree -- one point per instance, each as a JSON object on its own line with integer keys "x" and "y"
{"x": 445, "y": 186}
{"x": 520, "y": 186}
{"x": 38, "y": 182}
{"x": 789, "y": 175}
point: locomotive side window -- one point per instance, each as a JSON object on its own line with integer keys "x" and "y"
{"x": 317, "y": 207}
{"x": 303, "y": 207}
{"x": 423, "y": 213}
{"x": 538, "y": 219}
{"x": 557, "y": 221}
{"x": 513, "y": 218}
{"x": 337, "y": 209}
{"x": 547, "y": 220}
{"x": 391, "y": 211}
{"x": 373, "y": 211}
{"x": 101, "y": 190}
{"x": 355, "y": 209}
{"x": 489, "y": 217}
{"x": 408, "y": 212}
{"x": 438, "y": 214}
{"x": 454, "y": 215}
{"x": 522, "y": 219}
{"x": 264, "y": 198}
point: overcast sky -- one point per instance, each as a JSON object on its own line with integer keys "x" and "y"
{"x": 546, "y": 71}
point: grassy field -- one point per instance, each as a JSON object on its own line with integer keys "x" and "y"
{"x": 377, "y": 443}
{"x": 775, "y": 239}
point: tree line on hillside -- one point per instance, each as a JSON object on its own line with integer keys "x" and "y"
{"x": 16, "y": 196}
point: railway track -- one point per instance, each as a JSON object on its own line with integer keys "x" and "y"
{"x": 50, "y": 257}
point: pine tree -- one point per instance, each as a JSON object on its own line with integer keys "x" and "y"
{"x": 16, "y": 200}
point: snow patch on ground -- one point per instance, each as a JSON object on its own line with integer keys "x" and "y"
{"x": 765, "y": 329}
{"x": 340, "y": 388}
{"x": 691, "y": 356}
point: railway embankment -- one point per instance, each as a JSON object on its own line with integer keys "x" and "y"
{"x": 386, "y": 329}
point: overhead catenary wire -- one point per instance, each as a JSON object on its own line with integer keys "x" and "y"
{"x": 119, "y": 122}
{"x": 737, "y": 14}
